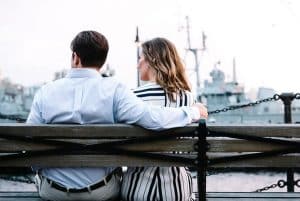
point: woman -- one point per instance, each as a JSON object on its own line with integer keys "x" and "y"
{"x": 168, "y": 86}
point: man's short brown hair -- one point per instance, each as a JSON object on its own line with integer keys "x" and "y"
{"x": 92, "y": 48}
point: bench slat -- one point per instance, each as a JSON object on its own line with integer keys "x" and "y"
{"x": 88, "y": 161}
{"x": 83, "y": 131}
{"x": 185, "y": 145}
{"x": 266, "y": 130}
{"x": 216, "y": 145}
{"x": 233, "y": 145}
{"x": 282, "y": 161}
{"x": 285, "y": 161}
{"x": 123, "y": 130}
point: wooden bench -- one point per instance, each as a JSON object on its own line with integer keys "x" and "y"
{"x": 255, "y": 147}
{"x": 23, "y": 145}
{"x": 230, "y": 146}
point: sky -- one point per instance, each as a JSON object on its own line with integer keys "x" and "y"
{"x": 262, "y": 35}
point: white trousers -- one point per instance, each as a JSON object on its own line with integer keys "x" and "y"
{"x": 157, "y": 184}
{"x": 109, "y": 192}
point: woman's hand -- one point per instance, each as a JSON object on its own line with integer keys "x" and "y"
{"x": 202, "y": 110}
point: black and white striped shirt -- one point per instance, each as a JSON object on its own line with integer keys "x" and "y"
{"x": 154, "y": 94}
{"x": 158, "y": 183}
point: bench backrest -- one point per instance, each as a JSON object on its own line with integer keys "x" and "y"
{"x": 254, "y": 146}
{"x": 229, "y": 146}
{"x": 126, "y": 145}
{"x": 93, "y": 145}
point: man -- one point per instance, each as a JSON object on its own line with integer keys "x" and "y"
{"x": 84, "y": 97}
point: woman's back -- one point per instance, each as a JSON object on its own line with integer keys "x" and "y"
{"x": 159, "y": 183}
{"x": 168, "y": 86}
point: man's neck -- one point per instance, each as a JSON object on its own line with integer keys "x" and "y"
{"x": 86, "y": 67}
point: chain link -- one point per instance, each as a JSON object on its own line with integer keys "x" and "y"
{"x": 297, "y": 96}
{"x": 280, "y": 184}
{"x": 297, "y": 183}
{"x": 251, "y": 104}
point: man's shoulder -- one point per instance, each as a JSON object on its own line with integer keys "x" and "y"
{"x": 110, "y": 82}
{"x": 107, "y": 83}
{"x": 52, "y": 84}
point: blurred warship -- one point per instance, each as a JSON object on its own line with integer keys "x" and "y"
{"x": 16, "y": 100}
{"x": 218, "y": 94}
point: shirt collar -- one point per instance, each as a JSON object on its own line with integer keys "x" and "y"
{"x": 82, "y": 72}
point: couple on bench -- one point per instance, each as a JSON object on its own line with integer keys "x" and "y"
{"x": 85, "y": 97}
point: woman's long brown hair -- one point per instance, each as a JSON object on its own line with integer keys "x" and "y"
{"x": 169, "y": 71}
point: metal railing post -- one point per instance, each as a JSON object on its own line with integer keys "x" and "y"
{"x": 290, "y": 180}
{"x": 201, "y": 161}
{"x": 287, "y": 99}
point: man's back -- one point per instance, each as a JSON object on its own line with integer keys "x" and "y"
{"x": 83, "y": 97}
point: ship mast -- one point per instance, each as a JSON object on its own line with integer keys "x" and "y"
{"x": 195, "y": 53}
{"x": 234, "y": 79}
{"x": 138, "y": 45}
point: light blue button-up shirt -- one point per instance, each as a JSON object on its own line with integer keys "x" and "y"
{"x": 85, "y": 97}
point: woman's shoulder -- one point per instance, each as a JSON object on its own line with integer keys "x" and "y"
{"x": 187, "y": 98}
{"x": 149, "y": 87}
{"x": 187, "y": 93}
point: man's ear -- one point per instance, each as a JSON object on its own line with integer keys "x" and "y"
{"x": 76, "y": 59}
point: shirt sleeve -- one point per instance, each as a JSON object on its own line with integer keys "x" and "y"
{"x": 132, "y": 110}
{"x": 35, "y": 115}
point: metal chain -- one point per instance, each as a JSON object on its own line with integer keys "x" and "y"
{"x": 251, "y": 104}
{"x": 233, "y": 107}
{"x": 280, "y": 184}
